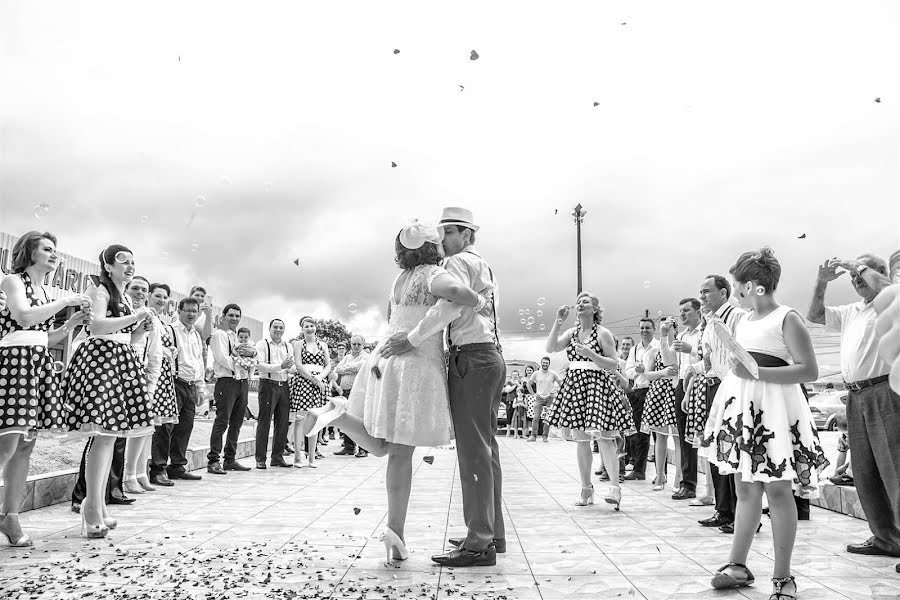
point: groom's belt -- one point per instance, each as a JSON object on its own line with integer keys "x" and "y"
{"x": 474, "y": 347}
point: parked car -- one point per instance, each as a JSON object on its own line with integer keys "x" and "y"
{"x": 826, "y": 406}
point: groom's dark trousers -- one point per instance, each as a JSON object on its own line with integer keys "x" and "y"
{"x": 475, "y": 376}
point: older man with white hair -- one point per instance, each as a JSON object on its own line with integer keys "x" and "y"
{"x": 873, "y": 409}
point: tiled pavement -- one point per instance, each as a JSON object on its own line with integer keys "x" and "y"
{"x": 284, "y": 533}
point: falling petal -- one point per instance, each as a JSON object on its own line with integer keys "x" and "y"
{"x": 801, "y": 236}
{"x": 596, "y": 104}
{"x": 461, "y": 88}
{"x": 393, "y": 164}
{"x": 297, "y": 261}
{"x": 429, "y": 459}
{"x": 878, "y": 100}
{"x": 473, "y": 56}
{"x": 396, "y": 51}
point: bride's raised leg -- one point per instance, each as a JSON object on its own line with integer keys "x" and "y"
{"x": 353, "y": 426}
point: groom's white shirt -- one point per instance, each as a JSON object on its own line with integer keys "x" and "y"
{"x": 466, "y": 326}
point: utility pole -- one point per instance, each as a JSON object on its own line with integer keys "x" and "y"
{"x": 579, "y": 213}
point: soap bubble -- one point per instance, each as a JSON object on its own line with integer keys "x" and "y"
{"x": 226, "y": 180}
{"x": 200, "y": 201}
{"x": 540, "y": 313}
{"x": 267, "y": 186}
{"x": 527, "y": 311}
{"x": 541, "y": 301}
{"x": 352, "y": 307}
{"x": 145, "y": 219}
{"x": 41, "y": 210}
{"x": 195, "y": 247}
{"x": 522, "y": 321}
{"x": 542, "y": 327}
{"x": 164, "y": 255}
{"x": 647, "y": 285}
{"x": 58, "y": 366}
{"x": 530, "y": 320}
{"x": 528, "y": 326}
{"x": 521, "y": 311}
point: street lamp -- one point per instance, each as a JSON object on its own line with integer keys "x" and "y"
{"x": 579, "y": 213}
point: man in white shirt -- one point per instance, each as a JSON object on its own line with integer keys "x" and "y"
{"x": 546, "y": 382}
{"x": 685, "y": 349}
{"x": 276, "y": 357}
{"x": 640, "y": 361}
{"x": 346, "y": 369}
{"x": 168, "y": 451}
{"x": 475, "y": 381}
{"x": 873, "y": 408}
{"x": 231, "y": 393}
{"x": 714, "y": 294}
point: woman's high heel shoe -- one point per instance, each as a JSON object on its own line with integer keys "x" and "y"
{"x": 586, "y": 498}
{"x": 23, "y": 541}
{"x": 659, "y": 483}
{"x": 393, "y": 546}
{"x": 132, "y": 486}
{"x": 144, "y": 482}
{"x": 320, "y": 418}
{"x": 614, "y": 496}
{"x": 91, "y": 531}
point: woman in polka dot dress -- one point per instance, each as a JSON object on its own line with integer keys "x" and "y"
{"x": 590, "y": 405}
{"x": 659, "y": 408}
{"x": 165, "y": 408}
{"x": 308, "y": 386}
{"x": 106, "y": 384}
{"x": 30, "y": 398}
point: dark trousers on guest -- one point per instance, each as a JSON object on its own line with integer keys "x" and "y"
{"x": 639, "y": 443}
{"x": 349, "y": 443}
{"x": 168, "y": 450}
{"x": 231, "y": 405}
{"x": 726, "y": 496}
{"x": 873, "y": 420}
{"x": 686, "y": 448}
{"x": 274, "y": 404}
{"x": 116, "y": 473}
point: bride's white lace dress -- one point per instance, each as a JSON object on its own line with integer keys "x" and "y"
{"x": 409, "y": 403}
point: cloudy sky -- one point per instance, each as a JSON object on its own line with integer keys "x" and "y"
{"x": 718, "y": 127}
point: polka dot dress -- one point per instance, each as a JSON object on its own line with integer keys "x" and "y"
{"x": 697, "y": 410}
{"x": 659, "y": 408}
{"x": 106, "y": 386}
{"x": 30, "y": 396}
{"x": 589, "y": 400}
{"x": 305, "y": 394}
{"x": 165, "y": 408}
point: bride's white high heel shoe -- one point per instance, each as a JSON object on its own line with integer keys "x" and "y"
{"x": 320, "y": 418}
{"x": 393, "y": 545}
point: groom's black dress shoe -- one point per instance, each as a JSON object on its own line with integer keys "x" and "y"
{"x": 499, "y": 545}
{"x": 467, "y": 558}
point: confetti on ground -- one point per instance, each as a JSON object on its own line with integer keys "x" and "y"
{"x": 356, "y": 511}
{"x": 429, "y": 459}
{"x": 473, "y": 56}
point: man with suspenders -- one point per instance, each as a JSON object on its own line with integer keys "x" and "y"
{"x": 275, "y": 358}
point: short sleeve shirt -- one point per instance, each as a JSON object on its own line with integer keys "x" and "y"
{"x": 859, "y": 344}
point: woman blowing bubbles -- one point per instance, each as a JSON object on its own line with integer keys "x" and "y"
{"x": 590, "y": 404}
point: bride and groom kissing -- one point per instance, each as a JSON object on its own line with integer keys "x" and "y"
{"x": 408, "y": 395}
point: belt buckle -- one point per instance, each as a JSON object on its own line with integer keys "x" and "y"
{"x": 455, "y": 348}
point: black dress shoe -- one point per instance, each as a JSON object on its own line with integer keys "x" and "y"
{"x": 462, "y": 557}
{"x": 717, "y": 520}
{"x": 361, "y": 453}
{"x": 161, "y": 479}
{"x": 499, "y": 545}
{"x": 185, "y": 475}
{"x": 120, "y": 500}
{"x": 870, "y": 549}
{"x": 288, "y": 449}
{"x": 345, "y": 452}
{"x": 261, "y": 464}
{"x": 635, "y": 477}
{"x": 233, "y": 465}
{"x": 215, "y": 468}
{"x": 280, "y": 463}
{"x": 684, "y": 494}
{"x": 729, "y": 528}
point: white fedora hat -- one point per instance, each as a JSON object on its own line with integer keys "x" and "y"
{"x": 453, "y": 215}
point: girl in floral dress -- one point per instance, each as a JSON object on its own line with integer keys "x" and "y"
{"x": 590, "y": 405}
{"x": 761, "y": 429}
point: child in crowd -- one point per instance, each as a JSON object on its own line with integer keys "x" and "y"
{"x": 842, "y": 472}
{"x": 244, "y": 365}
{"x": 519, "y": 405}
